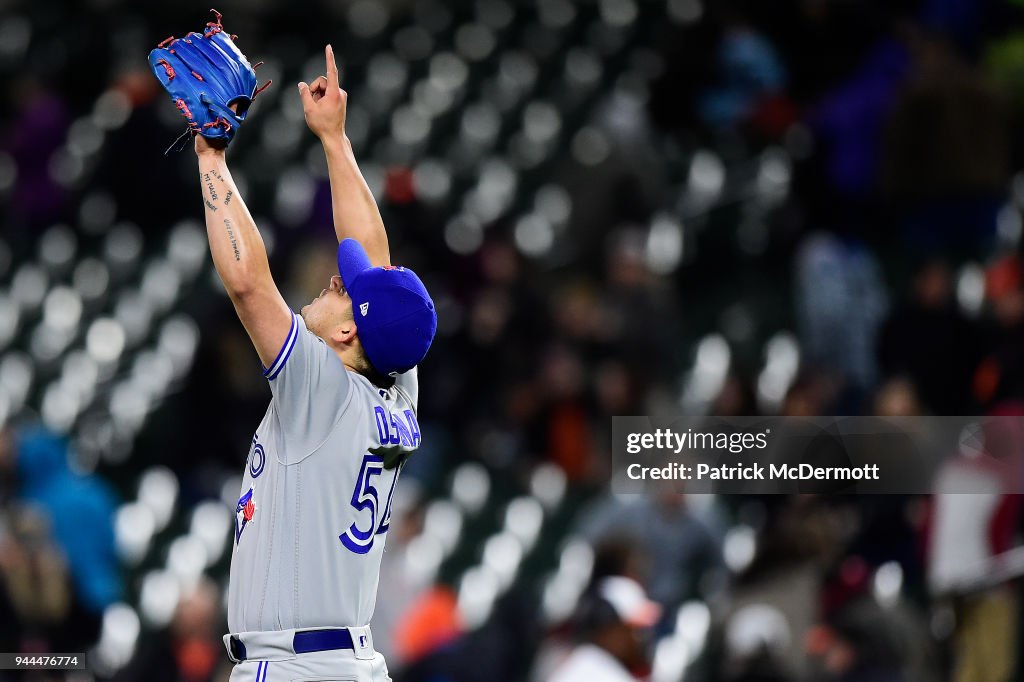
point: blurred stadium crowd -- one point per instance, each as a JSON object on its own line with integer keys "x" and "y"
{"x": 621, "y": 207}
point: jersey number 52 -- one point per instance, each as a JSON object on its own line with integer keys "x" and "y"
{"x": 365, "y": 498}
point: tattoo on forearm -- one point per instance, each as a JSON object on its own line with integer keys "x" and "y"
{"x": 227, "y": 200}
{"x": 209, "y": 183}
{"x": 231, "y": 236}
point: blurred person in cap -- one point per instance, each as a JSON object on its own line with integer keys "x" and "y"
{"x": 610, "y": 621}
{"x": 613, "y": 556}
{"x": 678, "y": 540}
{"x": 756, "y": 639}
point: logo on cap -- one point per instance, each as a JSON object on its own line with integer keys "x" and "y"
{"x": 404, "y": 321}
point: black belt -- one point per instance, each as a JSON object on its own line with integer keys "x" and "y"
{"x": 305, "y": 642}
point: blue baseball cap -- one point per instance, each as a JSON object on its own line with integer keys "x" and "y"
{"x": 395, "y": 318}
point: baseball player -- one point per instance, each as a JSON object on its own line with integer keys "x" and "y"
{"x": 314, "y": 508}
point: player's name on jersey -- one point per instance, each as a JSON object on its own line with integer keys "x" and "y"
{"x": 751, "y": 472}
{"x": 401, "y": 429}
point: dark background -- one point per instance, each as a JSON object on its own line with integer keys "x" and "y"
{"x": 622, "y": 207}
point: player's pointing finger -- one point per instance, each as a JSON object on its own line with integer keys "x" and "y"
{"x": 332, "y": 68}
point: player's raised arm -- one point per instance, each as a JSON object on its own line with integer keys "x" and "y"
{"x": 355, "y": 212}
{"x": 240, "y": 255}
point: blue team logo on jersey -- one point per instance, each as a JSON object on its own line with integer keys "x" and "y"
{"x": 244, "y": 512}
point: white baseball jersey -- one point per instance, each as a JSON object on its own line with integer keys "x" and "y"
{"x": 315, "y": 503}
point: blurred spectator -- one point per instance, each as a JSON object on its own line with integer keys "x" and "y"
{"x": 813, "y": 393}
{"x": 613, "y": 557}
{"x": 849, "y": 121}
{"x": 750, "y": 84}
{"x": 841, "y": 302}
{"x": 968, "y": 534}
{"x": 947, "y": 149}
{"x": 947, "y": 135}
{"x": 927, "y": 339}
{"x": 567, "y": 429}
{"x": 857, "y": 644}
{"x": 798, "y": 538}
{"x": 190, "y": 649}
{"x": 610, "y": 623}
{"x": 619, "y": 556}
{"x": 496, "y": 648}
{"x": 31, "y": 139}
{"x": 1000, "y": 376}
{"x": 429, "y": 622}
{"x": 677, "y": 549}
{"x": 407, "y": 619}
{"x": 35, "y": 584}
{"x": 756, "y": 640}
{"x": 80, "y": 511}
{"x": 897, "y": 397}
{"x": 634, "y": 318}
{"x": 736, "y": 399}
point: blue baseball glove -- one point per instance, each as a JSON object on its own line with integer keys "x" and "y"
{"x": 204, "y": 73}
